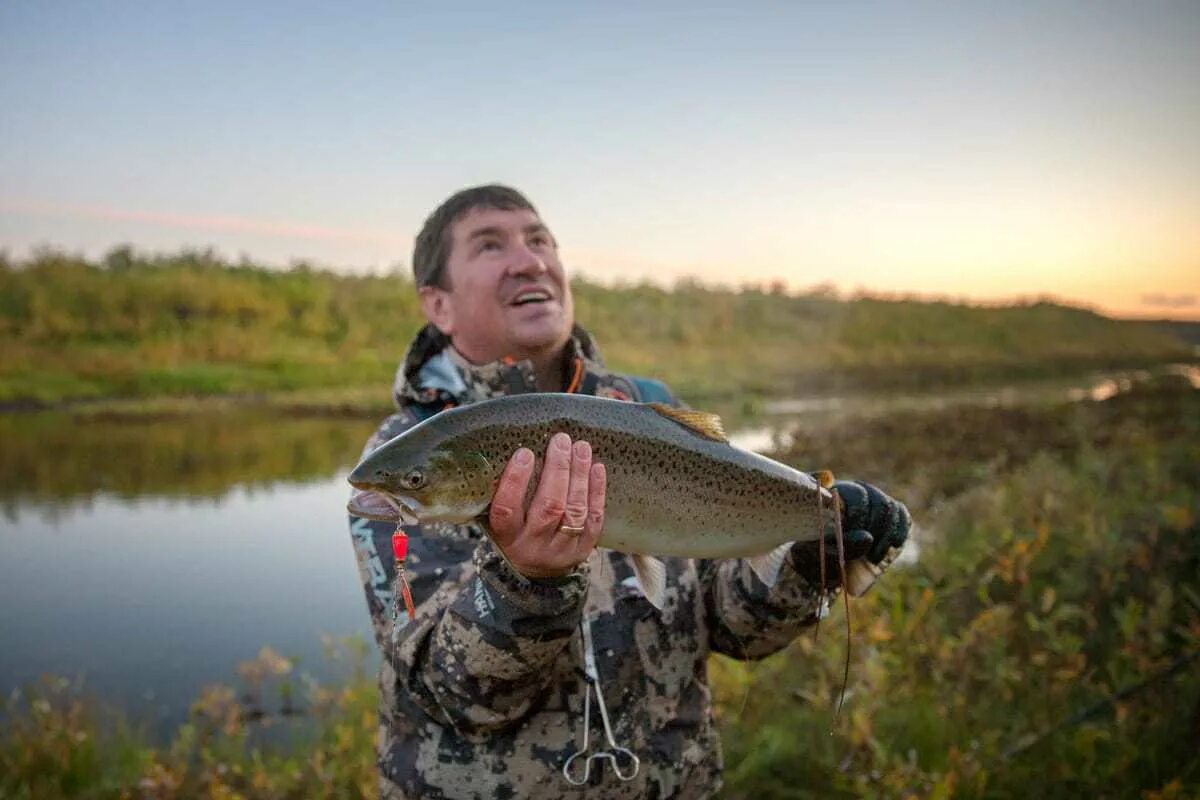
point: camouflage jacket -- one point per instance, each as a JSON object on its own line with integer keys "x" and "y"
{"x": 483, "y": 693}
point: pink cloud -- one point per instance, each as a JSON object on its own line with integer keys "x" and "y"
{"x": 209, "y": 222}
{"x": 1164, "y": 300}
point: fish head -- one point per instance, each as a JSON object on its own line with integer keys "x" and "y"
{"x": 418, "y": 477}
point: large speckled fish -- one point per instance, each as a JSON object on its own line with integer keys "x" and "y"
{"x": 676, "y": 487}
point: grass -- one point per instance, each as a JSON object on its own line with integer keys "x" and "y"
{"x": 138, "y": 327}
{"x": 58, "y": 743}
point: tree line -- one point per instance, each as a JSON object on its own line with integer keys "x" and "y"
{"x": 145, "y": 325}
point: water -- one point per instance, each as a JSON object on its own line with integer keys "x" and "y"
{"x": 142, "y": 596}
{"x": 780, "y": 417}
{"x": 172, "y": 550}
{"x": 149, "y": 558}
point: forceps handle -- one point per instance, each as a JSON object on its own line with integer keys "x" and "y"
{"x": 614, "y": 753}
{"x": 614, "y": 758}
{"x": 587, "y": 735}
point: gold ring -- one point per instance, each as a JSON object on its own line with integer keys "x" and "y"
{"x": 571, "y": 530}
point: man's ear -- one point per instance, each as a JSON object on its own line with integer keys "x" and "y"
{"x": 436, "y": 304}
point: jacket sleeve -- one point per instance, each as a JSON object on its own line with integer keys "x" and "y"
{"x": 477, "y": 656}
{"x": 746, "y": 619}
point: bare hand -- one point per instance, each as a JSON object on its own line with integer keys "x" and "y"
{"x": 570, "y": 493}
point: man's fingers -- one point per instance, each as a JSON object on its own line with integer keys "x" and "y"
{"x": 855, "y": 544}
{"x": 507, "y": 514}
{"x": 597, "y": 494}
{"x": 550, "y": 500}
{"x": 866, "y": 507}
{"x": 576, "y": 510}
{"x": 856, "y": 504}
{"x": 570, "y": 492}
{"x": 899, "y": 524}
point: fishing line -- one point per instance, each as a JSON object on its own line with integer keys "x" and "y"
{"x": 841, "y": 560}
{"x": 820, "y": 558}
{"x": 841, "y": 546}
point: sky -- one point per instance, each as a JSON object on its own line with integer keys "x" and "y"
{"x": 982, "y": 152}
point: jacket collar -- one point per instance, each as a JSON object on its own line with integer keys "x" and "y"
{"x": 434, "y": 373}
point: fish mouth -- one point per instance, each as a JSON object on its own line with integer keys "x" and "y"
{"x": 382, "y": 506}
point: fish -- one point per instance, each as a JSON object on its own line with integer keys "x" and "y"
{"x": 676, "y": 485}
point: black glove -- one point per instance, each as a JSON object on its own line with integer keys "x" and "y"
{"x": 872, "y": 525}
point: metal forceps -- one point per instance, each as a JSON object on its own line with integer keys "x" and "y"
{"x": 572, "y": 770}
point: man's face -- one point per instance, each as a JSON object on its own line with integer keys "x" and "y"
{"x": 508, "y": 293}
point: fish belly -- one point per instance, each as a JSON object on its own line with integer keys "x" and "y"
{"x": 699, "y": 531}
{"x": 695, "y": 542}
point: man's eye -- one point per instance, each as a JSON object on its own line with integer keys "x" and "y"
{"x": 489, "y": 245}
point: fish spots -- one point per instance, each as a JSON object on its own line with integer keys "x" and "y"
{"x": 670, "y": 491}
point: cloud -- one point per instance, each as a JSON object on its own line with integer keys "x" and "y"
{"x": 1164, "y": 300}
{"x": 221, "y": 223}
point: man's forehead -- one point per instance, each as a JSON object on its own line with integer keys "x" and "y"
{"x": 506, "y": 219}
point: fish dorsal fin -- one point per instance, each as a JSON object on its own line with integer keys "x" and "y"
{"x": 767, "y": 565}
{"x": 707, "y": 425}
{"x": 651, "y": 576}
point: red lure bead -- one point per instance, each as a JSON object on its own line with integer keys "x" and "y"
{"x": 399, "y": 545}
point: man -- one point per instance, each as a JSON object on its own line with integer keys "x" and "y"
{"x": 485, "y": 693}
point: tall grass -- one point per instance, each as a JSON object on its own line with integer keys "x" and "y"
{"x": 1045, "y": 644}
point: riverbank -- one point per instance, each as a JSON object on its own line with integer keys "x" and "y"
{"x": 1032, "y": 646}
{"x": 737, "y": 409}
{"x": 134, "y": 328}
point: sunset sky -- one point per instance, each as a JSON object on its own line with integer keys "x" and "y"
{"x": 976, "y": 151}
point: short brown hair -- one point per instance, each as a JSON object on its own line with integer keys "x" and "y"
{"x": 432, "y": 247}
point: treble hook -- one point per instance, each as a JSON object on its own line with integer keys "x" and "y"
{"x": 615, "y": 754}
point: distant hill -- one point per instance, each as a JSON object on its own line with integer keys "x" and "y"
{"x": 133, "y": 325}
{"x": 1185, "y": 331}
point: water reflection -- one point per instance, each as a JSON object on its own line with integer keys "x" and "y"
{"x": 54, "y": 462}
{"x": 782, "y": 416}
{"x": 150, "y": 557}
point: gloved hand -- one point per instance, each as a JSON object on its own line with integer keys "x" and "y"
{"x": 874, "y": 527}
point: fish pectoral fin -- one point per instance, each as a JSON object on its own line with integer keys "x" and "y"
{"x": 651, "y": 576}
{"x": 861, "y": 575}
{"x": 702, "y": 422}
{"x": 767, "y": 565}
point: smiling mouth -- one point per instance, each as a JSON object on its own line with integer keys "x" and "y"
{"x": 531, "y": 297}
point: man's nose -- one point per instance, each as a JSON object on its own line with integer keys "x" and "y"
{"x": 526, "y": 262}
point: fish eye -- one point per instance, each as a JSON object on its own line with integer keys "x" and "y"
{"x": 413, "y": 479}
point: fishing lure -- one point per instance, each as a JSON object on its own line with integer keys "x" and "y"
{"x": 400, "y": 552}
